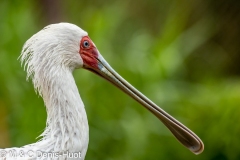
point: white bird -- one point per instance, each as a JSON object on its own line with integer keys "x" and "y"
{"x": 49, "y": 57}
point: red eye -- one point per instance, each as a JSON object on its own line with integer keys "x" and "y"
{"x": 86, "y": 44}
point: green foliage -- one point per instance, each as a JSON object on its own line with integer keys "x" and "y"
{"x": 180, "y": 54}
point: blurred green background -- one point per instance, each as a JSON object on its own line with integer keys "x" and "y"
{"x": 182, "y": 54}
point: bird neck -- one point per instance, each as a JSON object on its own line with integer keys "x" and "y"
{"x": 67, "y": 126}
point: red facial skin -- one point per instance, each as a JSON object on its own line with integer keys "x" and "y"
{"x": 89, "y": 54}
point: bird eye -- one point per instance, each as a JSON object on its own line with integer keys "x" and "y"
{"x": 86, "y": 44}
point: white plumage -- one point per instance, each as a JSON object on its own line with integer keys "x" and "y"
{"x": 49, "y": 57}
